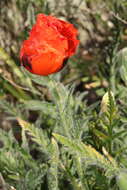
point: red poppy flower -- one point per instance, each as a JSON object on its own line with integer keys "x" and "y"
{"x": 51, "y": 42}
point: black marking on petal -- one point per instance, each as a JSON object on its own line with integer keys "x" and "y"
{"x": 64, "y": 63}
{"x": 26, "y": 63}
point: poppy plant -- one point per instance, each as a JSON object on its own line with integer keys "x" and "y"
{"x": 50, "y": 43}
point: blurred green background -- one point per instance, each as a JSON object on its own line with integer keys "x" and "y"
{"x": 99, "y": 64}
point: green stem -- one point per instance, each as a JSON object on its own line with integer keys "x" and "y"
{"x": 58, "y": 101}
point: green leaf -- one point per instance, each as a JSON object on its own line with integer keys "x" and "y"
{"x": 45, "y": 107}
{"x": 53, "y": 170}
{"x": 122, "y": 180}
{"x": 36, "y": 134}
{"x": 121, "y": 59}
{"x": 89, "y": 154}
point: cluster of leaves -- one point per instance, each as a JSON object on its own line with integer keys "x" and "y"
{"x": 76, "y": 149}
{"x": 58, "y": 138}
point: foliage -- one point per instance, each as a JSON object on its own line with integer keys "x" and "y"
{"x": 68, "y": 130}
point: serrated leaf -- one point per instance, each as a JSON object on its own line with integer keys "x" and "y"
{"x": 36, "y": 134}
{"x": 88, "y": 153}
{"x": 45, "y": 107}
{"x": 53, "y": 170}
